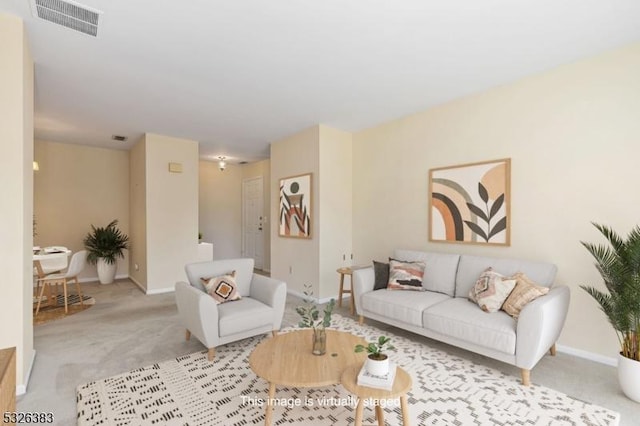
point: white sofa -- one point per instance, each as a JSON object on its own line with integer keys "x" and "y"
{"x": 442, "y": 312}
{"x": 260, "y": 310}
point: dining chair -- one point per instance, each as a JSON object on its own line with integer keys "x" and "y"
{"x": 76, "y": 265}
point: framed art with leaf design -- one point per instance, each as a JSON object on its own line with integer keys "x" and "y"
{"x": 470, "y": 203}
{"x": 295, "y": 206}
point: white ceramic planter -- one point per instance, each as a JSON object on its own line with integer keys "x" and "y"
{"x": 629, "y": 377}
{"x": 377, "y": 367}
{"x": 106, "y": 272}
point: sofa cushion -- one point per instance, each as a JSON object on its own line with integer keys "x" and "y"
{"x": 405, "y": 275}
{"x": 461, "y": 319}
{"x": 524, "y": 292}
{"x": 440, "y": 269}
{"x": 405, "y": 306}
{"x": 470, "y": 268}
{"x": 242, "y": 315}
{"x": 491, "y": 290}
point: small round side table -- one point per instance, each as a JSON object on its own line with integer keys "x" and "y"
{"x": 401, "y": 386}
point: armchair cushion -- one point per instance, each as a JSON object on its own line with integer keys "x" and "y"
{"x": 243, "y": 268}
{"x": 243, "y": 315}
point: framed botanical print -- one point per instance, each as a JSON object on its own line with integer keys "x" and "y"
{"x": 295, "y": 206}
{"x": 470, "y": 203}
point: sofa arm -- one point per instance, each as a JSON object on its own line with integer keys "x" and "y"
{"x": 539, "y": 326}
{"x": 362, "y": 281}
{"x": 271, "y": 292}
{"x": 198, "y": 313}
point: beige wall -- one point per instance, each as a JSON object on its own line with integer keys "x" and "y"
{"x": 220, "y": 212}
{"x": 171, "y": 210}
{"x": 16, "y": 151}
{"x": 138, "y": 214}
{"x": 78, "y": 186}
{"x": 572, "y": 135}
{"x": 295, "y": 260}
{"x": 335, "y": 207}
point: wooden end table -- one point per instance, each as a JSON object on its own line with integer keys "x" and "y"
{"x": 286, "y": 360}
{"x": 347, "y": 270}
{"x": 401, "y": 386}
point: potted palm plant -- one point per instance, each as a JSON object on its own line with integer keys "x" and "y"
{"x": 105, "y": 246}
{"x": 377, "y": 363}
{"x": 619, "y": 265}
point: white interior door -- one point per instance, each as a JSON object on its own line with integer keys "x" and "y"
{"x": 253, "y": 220}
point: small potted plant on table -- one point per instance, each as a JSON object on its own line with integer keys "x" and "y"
{"x": 377, "y": 363}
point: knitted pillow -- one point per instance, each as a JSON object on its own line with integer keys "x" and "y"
{"x": 524, "y": 292}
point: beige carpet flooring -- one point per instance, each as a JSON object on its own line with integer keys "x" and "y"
{"x": 127, "y": 329}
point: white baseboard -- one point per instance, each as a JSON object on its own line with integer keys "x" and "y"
{"x": 22, "y": 389}
{"x": 92, "y": 279}
{"x": 144, "y": 290}
{"x": 161, "y": 290}
{"x": 154, "y": 291}
{"x": 315, "y": 299}
{"x": 588, "y": 355}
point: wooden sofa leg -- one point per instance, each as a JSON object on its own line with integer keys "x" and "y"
{"x": 274, "y": 333}
{"x": 361, "y": 320}
{"x": 526, "y": 377}
{"x": 211, "y": 354}
{"x": 552, "y": 350}
{"x": 187, "y": 335}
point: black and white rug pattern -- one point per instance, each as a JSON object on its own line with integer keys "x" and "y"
{"x": 447, "y": 390}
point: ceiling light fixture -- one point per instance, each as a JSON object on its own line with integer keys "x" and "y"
{"x": 222, "y": 164}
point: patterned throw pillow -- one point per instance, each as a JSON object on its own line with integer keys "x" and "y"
{"x": 405, "y": 275}
{"x": 223, "y": 288}
{"x": 524, "y": 292}
{"x": 491, "y": 290}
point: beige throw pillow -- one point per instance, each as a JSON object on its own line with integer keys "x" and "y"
{"x": 524, "y": 292}
{"x": 223, "y": 288}
{"x": 491, "y": 290}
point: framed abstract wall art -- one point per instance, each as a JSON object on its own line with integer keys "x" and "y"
{"x": 470, "y": 203}
{"x": 295, "y": 206}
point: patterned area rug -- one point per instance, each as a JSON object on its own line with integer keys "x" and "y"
{"x": 52, "y": 313}
{"x": 446, "y": 391}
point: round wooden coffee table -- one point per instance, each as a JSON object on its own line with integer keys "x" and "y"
{"x": 286, "y": 360}
{"x": 401, "y": 386}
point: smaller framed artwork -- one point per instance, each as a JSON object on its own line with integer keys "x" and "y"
{"x": 295, "y": 206}
{"x": 470, "y": 203}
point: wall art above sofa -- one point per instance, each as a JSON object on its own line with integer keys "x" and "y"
{"x": 470, "y": 203}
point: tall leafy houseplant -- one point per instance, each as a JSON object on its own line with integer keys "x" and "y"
{"x": 105, "y": 246}
{"x": 619, "y": 265}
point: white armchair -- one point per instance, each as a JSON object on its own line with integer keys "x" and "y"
{"x": 260, "y": 310}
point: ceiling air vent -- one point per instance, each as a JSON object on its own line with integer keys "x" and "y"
{"x": 68, "y": 14}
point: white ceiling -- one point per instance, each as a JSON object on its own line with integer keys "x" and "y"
{"x": 236, "y": 75}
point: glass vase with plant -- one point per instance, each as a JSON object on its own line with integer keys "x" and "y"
{"x": 310, "y": 318}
